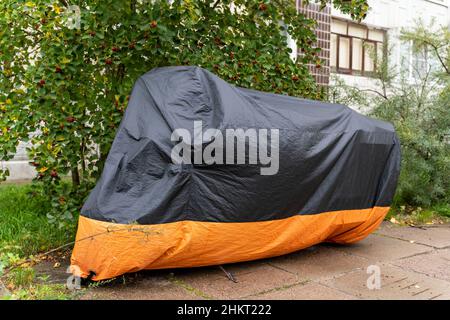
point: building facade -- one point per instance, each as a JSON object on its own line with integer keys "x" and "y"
{"x": 349, "y": 49}
{"x": 323, "y": 19}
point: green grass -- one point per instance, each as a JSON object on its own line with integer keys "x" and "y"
{"x": 24, "y": 227}
{"x": 22, "y": 277}
{"x": 416, "y": 215}
{"x": 24, "y": 231}
{"x": 442, "y": 209}
{"x": 44, "y": 291}
{"x": 25, "y": 285}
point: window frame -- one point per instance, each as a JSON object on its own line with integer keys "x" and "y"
{"x": 410, "y": 70}
{"x": 350, "y": 70}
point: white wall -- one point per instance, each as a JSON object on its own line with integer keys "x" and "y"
{"x": 19, "y": 167}
{"x": 402, "y": 13}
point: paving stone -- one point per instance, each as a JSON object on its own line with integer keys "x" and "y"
{"x": 396, "y": 283}
{"x": 150, "y": 288}
{"x": 262, "y": 278}
{"x": 309, "y": 291}
{"x": 319, "y": 261}
{"x": 435, "y": 236}
{"x": 215, "y": 272}
{"x": 380, "y": 248}
{"x": 435, "y": 264}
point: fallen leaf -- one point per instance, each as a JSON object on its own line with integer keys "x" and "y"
{"x": 57, "y": 265}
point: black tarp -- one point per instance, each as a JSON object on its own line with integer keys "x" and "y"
{"x": 330, "y": 156}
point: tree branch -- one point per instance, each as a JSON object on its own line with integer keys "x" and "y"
{"x": 383, "y": 95}
{"x": 436, "y": 50}
{"x": 215, "y": 4}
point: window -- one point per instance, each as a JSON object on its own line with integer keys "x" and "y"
{"x": 414, "y": 63}
{"x": 355, "y": 47}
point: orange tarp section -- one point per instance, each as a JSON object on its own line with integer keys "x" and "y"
{"x": 110, "y": 249}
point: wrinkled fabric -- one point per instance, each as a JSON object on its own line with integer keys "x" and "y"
{"x": 335, "y": 182}
{"x": 331, "y": 157}
{"x": 105, "y": 250}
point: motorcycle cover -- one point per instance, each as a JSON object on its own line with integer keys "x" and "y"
{"x": 335, "y": 179}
